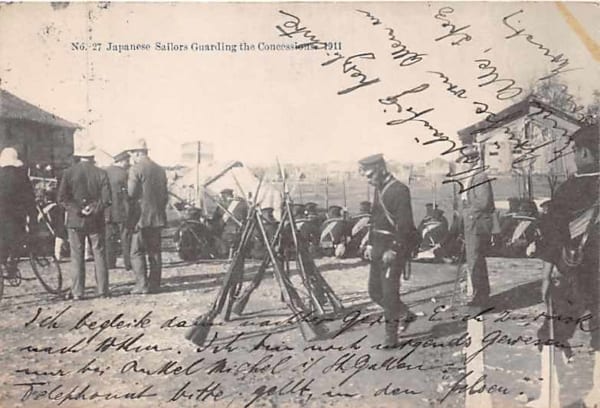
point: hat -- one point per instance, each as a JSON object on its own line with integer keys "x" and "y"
{"x": 371, "y": 160}
{"x": 429, "y": 205}
{"x": 334, "y": 211}
{"x": 10, "y": 157}
{"x": 310, "y": 207}
{"x": 588, "y": 137}
{"x": 124, "y": 155}
{"x": 227, "y": 191}
{"x": 85, "y": 148}
{"x": 139, "y": 145}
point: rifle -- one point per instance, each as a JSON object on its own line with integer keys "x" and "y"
{"x": 309, "y": 330}
{"x": 316, "y": 301}
{"x": 242, "y": 301}
{"x": 198, "y": 333}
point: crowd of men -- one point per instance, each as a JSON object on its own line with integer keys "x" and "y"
{"x": 131, "y": 204}
{"x": 124, "y": 204}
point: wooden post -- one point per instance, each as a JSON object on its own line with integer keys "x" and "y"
{"x": 326, "y": 192}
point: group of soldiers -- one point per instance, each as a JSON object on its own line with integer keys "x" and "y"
{"x": 331, "y": 233}
{"x": 567, "y": 244}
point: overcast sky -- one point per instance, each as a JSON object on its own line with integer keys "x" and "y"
{"x": 254, "y": 106}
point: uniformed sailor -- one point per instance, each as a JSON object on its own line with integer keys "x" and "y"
{"x": 391, "y": 240}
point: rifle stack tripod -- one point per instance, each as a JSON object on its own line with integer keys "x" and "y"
{"x": 320, "y": 299}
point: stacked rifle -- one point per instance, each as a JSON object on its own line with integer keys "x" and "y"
{"x": 320, "y": 298}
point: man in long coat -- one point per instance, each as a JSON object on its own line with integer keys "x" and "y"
{"x": 85, "y": 193}
{"x": 17, "y": 202}
{"x": 147, "y": 188}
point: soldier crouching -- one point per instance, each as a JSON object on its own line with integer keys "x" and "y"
{"x": 391, "y": 237}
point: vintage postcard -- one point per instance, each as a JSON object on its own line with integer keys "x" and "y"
{"x": 345, "y": 204}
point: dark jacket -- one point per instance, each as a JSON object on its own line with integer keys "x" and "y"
{"x": 84, "y": 184}
{"x": 118, "y": 211}
{"x": 392, "y": 213}
{"x": 16, "y": 195}
{"x": 479, "y": 206}
{"x": 147, "y": 187}
{"x": 562, "y": 211}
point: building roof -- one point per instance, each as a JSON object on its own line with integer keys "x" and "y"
{"x": 15, "y": 108}
{"x": 512, "y": 113}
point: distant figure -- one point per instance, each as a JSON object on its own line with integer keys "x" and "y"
{"x": 17, "y": 207}
{"x": 478, "y": 209}
{"x": 85, "y": 193}
{"x": 391, "y": 240}
{"x": 118, "y": 232}
{"x": 334, "y": 232}
{"x": 433, "y": 228}
{"x": 147, "y": 188}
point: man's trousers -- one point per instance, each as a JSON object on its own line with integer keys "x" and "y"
{"x": 77, "y": 242}
{"x": 115, "y": 232}
{"x": 145, "y": 242}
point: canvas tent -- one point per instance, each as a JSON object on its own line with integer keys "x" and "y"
{"x": 185, "y": 186}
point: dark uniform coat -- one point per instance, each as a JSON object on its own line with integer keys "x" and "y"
{"x": 579, "y": 287}
{"x": 147, "y": 187}
{"x": 392, "y": 229}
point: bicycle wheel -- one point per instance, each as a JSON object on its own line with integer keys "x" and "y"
{"x": 47, "y": 269}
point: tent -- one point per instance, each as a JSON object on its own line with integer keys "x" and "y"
{"x": 214, "y": 178}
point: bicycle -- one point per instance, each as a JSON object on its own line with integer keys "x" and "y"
{"x": 44, "y": 264}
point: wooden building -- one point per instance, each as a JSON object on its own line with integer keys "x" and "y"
{"x": 44, "y": 141}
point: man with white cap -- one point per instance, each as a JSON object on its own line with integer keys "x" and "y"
{"x": 17, "y": 202}
{"x": 85, "y": 194}
{"x": 147, "y": 188}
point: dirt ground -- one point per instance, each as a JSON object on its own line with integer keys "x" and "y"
{"x": 130, "y": 351}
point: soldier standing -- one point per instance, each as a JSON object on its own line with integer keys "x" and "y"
{"x": 391, "y": 240}
{"x": 569, "y": 247}
{"x": 147, "y": 187}
{"x": 85, "y": 193}
{"x": 117, "y": 229}
{"x": 478, "y": 210}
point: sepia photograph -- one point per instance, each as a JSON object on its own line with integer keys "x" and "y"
{"x": 300, "y": 204}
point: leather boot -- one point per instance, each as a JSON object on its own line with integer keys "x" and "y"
{"x": 592, "y": 399}
{"x": 391, "y": 333}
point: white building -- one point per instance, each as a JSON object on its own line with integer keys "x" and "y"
{"x": 530, "y": 136}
